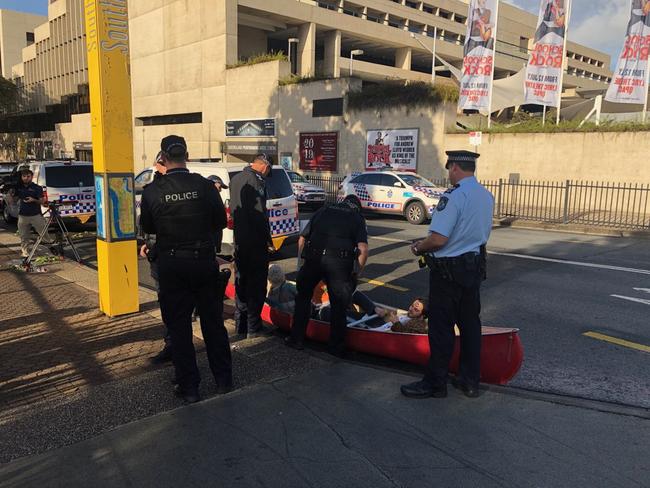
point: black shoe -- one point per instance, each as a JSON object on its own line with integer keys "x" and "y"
{"x": 293, "y": 344}
{"x": 338, "y": 352}
{"x": 164, "y": 356}
{"x": 469, "y": 391}
{"x": 422, "y": 389}
{"x": 261, "y": 332}
{"x": 237, "y": 337}
{"x": 189, "y": 395}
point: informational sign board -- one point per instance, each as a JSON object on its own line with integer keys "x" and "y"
{"x": 250, "y": 128}
{"x": 100, "y": 207}
{"x": 286, "y": 160}
{"x": 397, "y": 148}
{"x": 121, "y": 205}
{"x": 319, "y": 151}
{"x": 475, "y": 138}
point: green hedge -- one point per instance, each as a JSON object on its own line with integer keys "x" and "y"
{"x": 570, "y": 126}
{"x": 393, "y": 95}
{"x": 259, "y": 58}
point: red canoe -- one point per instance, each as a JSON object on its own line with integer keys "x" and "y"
{"x": 501, "y": 352}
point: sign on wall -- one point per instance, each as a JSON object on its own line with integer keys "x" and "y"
{"x": 319, "y": 151}
{"x": 394, "y": 147}
{"x": 250, "y": 128}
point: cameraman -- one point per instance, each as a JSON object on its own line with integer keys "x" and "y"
{"x": 31, "y": 198}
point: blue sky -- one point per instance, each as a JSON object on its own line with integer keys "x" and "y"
{"x": 596, "y": 23}
{"x": 32, "y": 6}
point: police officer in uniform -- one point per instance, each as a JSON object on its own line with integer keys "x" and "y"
{"x": 253, "y": 245}
{"x": 334, "y": 246}
{"x": 184, "y": 210}
{"x": 455, "y": 253}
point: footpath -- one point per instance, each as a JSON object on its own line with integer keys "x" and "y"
{"x": 80, "y": 405}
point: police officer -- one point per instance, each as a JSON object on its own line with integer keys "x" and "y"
{"x": 184, "y": 210}
{"x": 334, "y": 245}
{"x": 455, "y": 251}
{"x": 253, "y": 245}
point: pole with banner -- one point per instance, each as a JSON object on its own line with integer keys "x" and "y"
{"x": 564, "y": 58}
{"x": 107, "y": 42}
{"x": 494, "y": 56}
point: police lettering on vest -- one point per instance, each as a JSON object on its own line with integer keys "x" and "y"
{"x": 181, "y": 197}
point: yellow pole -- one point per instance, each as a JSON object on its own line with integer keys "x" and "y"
{"x": 107, "y": 39}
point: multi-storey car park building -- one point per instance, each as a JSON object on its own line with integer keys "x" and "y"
{"x": 188, "y": 78}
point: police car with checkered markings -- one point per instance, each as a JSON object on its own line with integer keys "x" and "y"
{"x": 62, "y": 181}
{"x": 392, "y": 192}
{"x": 281, "y": 202}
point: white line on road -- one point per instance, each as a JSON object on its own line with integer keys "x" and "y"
{"x": 632, "y": 299}
{"x": 647, "y": 290}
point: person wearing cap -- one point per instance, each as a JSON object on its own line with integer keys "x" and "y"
{"x": 218, "y": 183}
{"x": 334, "y": 246}
{"x": 454, "y": 251}
{"x": 253, "y": 245}
{"x": 184, "y": 210}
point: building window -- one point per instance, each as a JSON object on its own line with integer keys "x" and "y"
{"x": 523, "y": 44}
{"x": 327, "y": 107}
{"x": 29, "y": 36}
{"x": 174, "y": 119}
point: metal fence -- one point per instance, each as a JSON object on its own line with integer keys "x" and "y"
{"x": 615, "y": 205}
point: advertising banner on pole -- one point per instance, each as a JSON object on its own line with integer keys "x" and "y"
{"x": 397, "y": 148}
{"x": 319, "y": 151}
{"x": 543, "y": 85}
{"x": 478, "y": 56}
{"x": 630, "y": 81}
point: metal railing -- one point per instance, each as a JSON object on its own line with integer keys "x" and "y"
{"x": 599, "y": 204}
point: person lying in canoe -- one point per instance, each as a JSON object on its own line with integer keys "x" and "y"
{"x": 415, "y": 320}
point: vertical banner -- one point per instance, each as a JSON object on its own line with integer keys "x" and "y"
{"x": 109, "y": 77}
{"x": 543, "y": 85}
{"x": 478, "y": 56}
{"x": 630, "y": 81}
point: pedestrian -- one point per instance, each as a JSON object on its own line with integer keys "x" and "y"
{"x": 334, "y": 245}
{"x": 253, "y": 245}
{"x": 165, "y": 353}
{"x": 184, "y": 210}
{"x": 30, "y": 197}
{"x": 455, "y": 253}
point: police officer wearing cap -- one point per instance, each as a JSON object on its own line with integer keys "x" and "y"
{"x": 455, "y": 253}
{"x": 184, "y": 210}
{"x": 253, "y": 245}
{"x": 334, "y": 246}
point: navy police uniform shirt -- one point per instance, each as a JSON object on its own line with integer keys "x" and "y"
{"x": 32, "y": 190}
{"x": 464, "y": 216}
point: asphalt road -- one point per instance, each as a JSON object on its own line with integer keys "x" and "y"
{"x": 555, "y": 287}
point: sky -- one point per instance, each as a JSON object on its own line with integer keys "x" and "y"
{"x": 599, "y": 24}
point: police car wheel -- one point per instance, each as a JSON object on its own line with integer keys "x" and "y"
{"x": 415, "y": 213}
{"x": 6, "y": 215}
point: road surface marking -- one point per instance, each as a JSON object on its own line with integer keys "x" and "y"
{"x": 574, "y": 263}
{"x": 381, "y": 283}
{"x": 647, "y": 290}
{"x": 389, "y": 239}
{"x": 616, "y": 340}
{"x": 632, "y": 299}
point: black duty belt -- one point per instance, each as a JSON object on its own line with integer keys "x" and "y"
{"x": 202, "y": 253}
{"x": 456, "y": 259}
{"x": 337, "y": 253}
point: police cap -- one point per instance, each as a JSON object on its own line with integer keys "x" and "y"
{"x": 465, "y": 159}
{"x": 217, "y": 179}
{"x": 173, "y": 146}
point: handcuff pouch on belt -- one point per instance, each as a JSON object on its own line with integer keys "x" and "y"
{"x": 464, "y": 269}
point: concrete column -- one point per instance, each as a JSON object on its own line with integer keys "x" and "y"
{"x": 307, "y": 49}
{"x": 403, "y": 58}
{"x": 333, "y": 54}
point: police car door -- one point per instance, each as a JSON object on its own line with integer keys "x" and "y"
{"x": 71, "y": 182}
{"x": 372, "y": 183}
{"x": 388, "y": 194}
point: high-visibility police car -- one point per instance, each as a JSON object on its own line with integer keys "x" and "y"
{"x": 62, "y": 181}
{"x": 392, "y": 192}
{"x": 281, "y": 202}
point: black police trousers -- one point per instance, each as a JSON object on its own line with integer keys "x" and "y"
{"x": 337, "y": 274}
{"x": 185, "y": 282}
{"x": 153, "y": 269}
{"x": 453, "y": 303}
{"x": 250, "y": 287}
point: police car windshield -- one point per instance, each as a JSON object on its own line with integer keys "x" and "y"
{"x": 296, "y": 178}
{"x": 69, "y": 176}
{"x": 415, "y": 180}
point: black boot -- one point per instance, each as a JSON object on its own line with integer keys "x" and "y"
{"x": 164, "y": 356}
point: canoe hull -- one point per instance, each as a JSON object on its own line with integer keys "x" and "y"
{"x": 501, "y": 348}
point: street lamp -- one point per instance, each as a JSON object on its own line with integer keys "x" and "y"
{"x": 353, "y": 53}
{"x": 433, "y": 52}
{"x": 293, "y": 40}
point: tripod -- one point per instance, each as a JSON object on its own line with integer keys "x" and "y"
{"x": 55, "y": 216}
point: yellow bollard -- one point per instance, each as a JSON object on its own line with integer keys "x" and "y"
{"x": 107, "y": 39}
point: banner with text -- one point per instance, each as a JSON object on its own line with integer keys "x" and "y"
{"x": 546, "y": 61}
{"x": 478, "y": 55}
{"x": 628, "y": 84}
{"x": 319, "y": 151}
{"x": 397, "y": 148}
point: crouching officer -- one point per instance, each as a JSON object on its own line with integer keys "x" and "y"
{"x": 334, "y": 245}
{"x": 455, "y": 252}
{"x": 184, "y": 210}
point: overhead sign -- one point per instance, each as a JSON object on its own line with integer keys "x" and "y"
{"x": 250, "y": 128}
{"x": 269, "y": 147}
{"x": 319, "y": 151}
{"x": 475, "y": 138}
{"x": 546, "y": 61}
{"x": 630, "y": 81}
{"x": 478, "y": 56}
{"x": 397, "y": 148}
